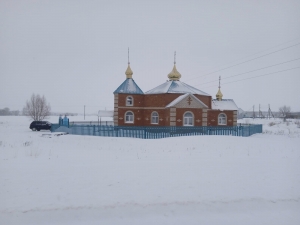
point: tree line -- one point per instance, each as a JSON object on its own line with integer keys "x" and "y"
{"x": 7, "y": 112}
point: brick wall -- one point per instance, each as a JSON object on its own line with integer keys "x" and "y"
{"x": 138, "y": 100}
{"x": 159, "y": 100}
{"x": 212, "y": 117}
{"x": 205, "y": 99}
{"x": 144, "y": 105}
{"x": 197, "y": 116}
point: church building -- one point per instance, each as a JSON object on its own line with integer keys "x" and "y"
{"x": 173, "y": 103}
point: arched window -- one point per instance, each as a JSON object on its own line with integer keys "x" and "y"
{"x": 222, "y": 119}
{"x": 188, "y": 119}
{"x": 154, "y": 118}
{"x": 129, "y": 101}
{"x": 129, "y": 117}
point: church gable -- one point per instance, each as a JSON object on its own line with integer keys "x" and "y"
{"x": 187, "y": 101}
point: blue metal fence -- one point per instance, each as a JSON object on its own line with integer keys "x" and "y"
{"x": 160, "y": 132}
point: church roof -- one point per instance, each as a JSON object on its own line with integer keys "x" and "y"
{"x": 128, "y": 87}
{"x": 224, "y": 104}
{"x": 175, "y": 86}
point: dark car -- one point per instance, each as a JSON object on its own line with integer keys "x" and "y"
{"x": 40, "y": 125}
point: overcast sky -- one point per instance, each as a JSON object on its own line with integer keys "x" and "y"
{"x": 75, "y": 52}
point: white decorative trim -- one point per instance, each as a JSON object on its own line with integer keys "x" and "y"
{"x": 204, "y": 123}
{"x": 132, "y": 99}
{"x": 172, "y": 114}
{"x": 204, "y": 114}
{"x": 152, "y": 117}
{"x": 172, "y": 123}
{"x": 187, "y": 100}
{"x": 193, "y": 116}
{"x": 125, "y": 117}
{"x": 225, "y": 118}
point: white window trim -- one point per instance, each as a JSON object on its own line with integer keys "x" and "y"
{"x": 127, "y": 101}
{"x": 193, "y": 118}
{"x": 152, "y": 117}
{"x": 132, "y": 117}
{"x": 222, "y": 124}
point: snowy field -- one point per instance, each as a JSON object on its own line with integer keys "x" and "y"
{"x": 47, "y": 179}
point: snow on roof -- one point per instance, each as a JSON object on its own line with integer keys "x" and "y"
{"x": 224, "y": 104}
{"x": 181, "y": 97}
{"x": 176, "y": 100}
{"x": 105, "y": 113}
{"x": 128, "y": 87}
{"x": 175, "y": 87}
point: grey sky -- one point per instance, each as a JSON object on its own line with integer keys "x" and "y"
{"x": 75, "y": 52}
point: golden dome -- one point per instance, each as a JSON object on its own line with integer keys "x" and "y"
{"x": 128, "y": 72}
{"x": 174, "y": 75}
{"x": 219, "y": 95}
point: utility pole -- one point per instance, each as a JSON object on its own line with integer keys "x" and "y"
{"x": 260, "y": 113}
{"x": 84, "y": 112}
{"x": 270, "y": 112}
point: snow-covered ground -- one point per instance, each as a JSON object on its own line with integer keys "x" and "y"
{"x": 48, "y": 179}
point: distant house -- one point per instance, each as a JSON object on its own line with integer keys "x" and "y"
{"x": 173, "y": 103}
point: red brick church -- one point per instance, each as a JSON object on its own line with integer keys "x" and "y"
{"x": 172, "y": 103}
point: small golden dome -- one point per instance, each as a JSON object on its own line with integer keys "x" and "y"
{"x": 219, "y": 95}
{"x": 174, "y": 75}
{"x": 128, "y": 72}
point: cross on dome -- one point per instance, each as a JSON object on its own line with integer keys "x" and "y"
{"x": 128, "y": 71}
{"x": 219, "y": 95}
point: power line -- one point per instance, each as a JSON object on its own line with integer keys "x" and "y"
{"x": 258, "y": 76}
{"x": 251, "y": 71}
{"x": 246, "y": 61}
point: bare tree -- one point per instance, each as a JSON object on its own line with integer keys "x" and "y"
{"x": 37, "y": 108}
{"x": 284, "y": 110}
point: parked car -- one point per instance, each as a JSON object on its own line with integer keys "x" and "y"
{"x": 40, "y": 125}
